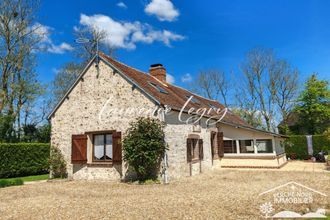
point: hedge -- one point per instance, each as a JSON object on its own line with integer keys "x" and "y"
{"x": 296, "y": 145}
{"x": 321, "y": 142}
{"x": 23, "y": 159}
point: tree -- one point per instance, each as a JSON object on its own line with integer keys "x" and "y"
{"x": 69, "y": 72}
{"x": 18, "y": 40}
{"x": 268, "y": 86}
{"x": 286, "y": 89}
{"x": 64, "y": 79}
{"x": 144, "y": 147}
{"x": 213, "y": 85}
{"x": 313, "y": 106}
{"x": 260, "y": 80}
{"x": 96, "y": 37}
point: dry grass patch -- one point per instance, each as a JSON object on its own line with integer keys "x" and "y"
{"x": 221, "y": 194}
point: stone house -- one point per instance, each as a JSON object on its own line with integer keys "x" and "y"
{"x": 87, "y": 125}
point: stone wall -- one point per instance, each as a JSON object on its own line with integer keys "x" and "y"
{"x": 176, "y": 134}
{"x": 104, "y": 100}
{"x": 80, "y": 113}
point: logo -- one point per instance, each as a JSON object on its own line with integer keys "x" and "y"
{"x": 192, "y": 116}
{"x": 292, "y": 200}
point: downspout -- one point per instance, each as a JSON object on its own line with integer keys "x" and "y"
{"x": 165, "y": 158}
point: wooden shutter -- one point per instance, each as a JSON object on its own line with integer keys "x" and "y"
{"x": 116, "y": 147}
{"x": 200, "y": 146}
{"x": 220, "y": 144}
{"x": 214, "y": 145}
{"x": 189, "y": 142}
{"x": 79, "y": 149}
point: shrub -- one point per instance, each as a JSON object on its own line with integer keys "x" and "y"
{"x": 23, "y": 159}
{"x": 57, "y": 163}
{"x": 296, "y": 147}
{"x": 144, "y": 147}
{"x": 321, "y": 143}
{"x": 11, "y": 182}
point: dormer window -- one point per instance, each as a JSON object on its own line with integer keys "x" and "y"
{"x": 213, "y": 106}
{"x": 156, "y": 86}
{"x": 193, "y": 100}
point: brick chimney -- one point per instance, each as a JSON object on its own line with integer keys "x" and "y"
{"x": 158, "y": 71}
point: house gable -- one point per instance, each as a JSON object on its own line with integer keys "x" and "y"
{"x": 115, "y": 70}
{"x": 98, "y": 101}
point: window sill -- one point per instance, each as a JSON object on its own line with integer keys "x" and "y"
{"x": 100, "y": 164}
{"x": 195, "y": 161}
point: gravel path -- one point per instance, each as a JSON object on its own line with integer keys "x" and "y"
{"x": 220, "y": 194}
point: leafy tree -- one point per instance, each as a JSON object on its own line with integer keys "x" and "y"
{"x": 33, "y": 133}
{"x": 19, "y": 39}
{"x": 313, "y": 106}
{"x": 44, "y": 132}
{"x": 7, "y": 130}
{"x": 144, "y": 147}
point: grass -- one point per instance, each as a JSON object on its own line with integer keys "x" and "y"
{"x": 35, "y": 178}
{"x": 20, "y": 180}
{"x": 30, "y": 178}
{"x": 218, "y": 194}
{"x": 11, "y": 182}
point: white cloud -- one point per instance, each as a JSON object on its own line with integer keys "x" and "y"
{"x": 186, "y": 78}
{"x": 163, "y": 9}
{"x": 45, "y": 41}
{"x": 59, "y": 49}
{"x": 121, "y": 5}
{"x": 170, "y": 78}
{"x": 126, "y": 34}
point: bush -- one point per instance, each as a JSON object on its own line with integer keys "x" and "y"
{"x": 23, "y": 159}
{"x": 11, "y": 182}
{"x": 57, "y": 163}
{"x": 144, "y": 147}
{"x": 321, "y": 143}
{"x": 296, "y": 145}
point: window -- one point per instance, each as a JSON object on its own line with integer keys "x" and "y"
{"x": 230, "y": 146}
{"x": 158, "y": 87}
{"x": 193, "y": 100}
{"x": 264, "y": 146}
{"x": 213, "y": 106}
{"x": 194, "y": 149}
{"x": 246, "y": 146}
{"x": 102, "y": 147}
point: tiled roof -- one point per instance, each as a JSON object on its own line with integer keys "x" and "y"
{"x": 175, "y": 97}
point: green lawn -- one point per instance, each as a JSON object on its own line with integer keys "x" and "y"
{"x": 20, "y": 180}
{"x": 30, "y": 178}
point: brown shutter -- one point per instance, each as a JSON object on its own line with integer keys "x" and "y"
{"x": 214, "y": 145}
{"x": 220, "y": 143}
{"x": 189, "y": 141}
{"x": 79, "y": 149}
{"x": 116, "y": 145}
{"x": 200, "y": 146}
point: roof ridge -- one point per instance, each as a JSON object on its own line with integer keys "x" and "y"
{"x": 157, "y": 79}
{"x": 113, "y": 59}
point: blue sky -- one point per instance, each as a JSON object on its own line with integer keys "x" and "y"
{"x": 189, "y": 36}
